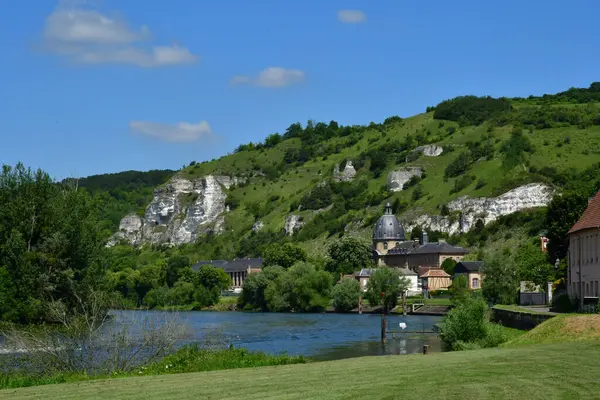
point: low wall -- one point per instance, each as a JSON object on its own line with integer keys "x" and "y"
{"x": 518, "y": 320}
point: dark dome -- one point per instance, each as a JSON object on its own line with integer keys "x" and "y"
{"x": 388, "y": 227}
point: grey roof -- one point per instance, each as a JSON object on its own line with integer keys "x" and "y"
{"x": 365, "y": 272}
{"x": 439, "y": 248}
{"x": 468, "y": 266}
{"x": 388, "y": 227}
{"x": 407, "y": 272}
{"x": 404, "y": 247}
{"x": 237, "y": 265}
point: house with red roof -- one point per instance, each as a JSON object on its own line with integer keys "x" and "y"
{"x": 584, "y": 253}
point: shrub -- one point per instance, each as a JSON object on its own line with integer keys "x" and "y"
{"x": 345, "y": 295}
{"x": 466, "y": 322}
{"x": 458, "y": 166}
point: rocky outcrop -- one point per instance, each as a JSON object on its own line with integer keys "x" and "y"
{"x": 292, "y": 224}
{"x": 430, "y": 150}
{"x": 487, "y": 209}
{"x": 257, "y": 226}
{"x": 179, "y": 212}
{"x": 346, "y": 175}
{"x": 397, "y": 179}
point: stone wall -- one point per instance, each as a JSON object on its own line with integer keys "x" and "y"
{"x": 518, "y": 320}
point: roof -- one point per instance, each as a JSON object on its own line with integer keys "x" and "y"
{"x": 237, "y": 265}
{"x": 439, "y": 248}
{"x": 364, "y": 272}
{"x": 404, "y": 247}
{"x": 468, "y": 266}
{"x": 435, "y": 273}
{"x": 388, "y": 227}
{"x": 590, "y": 218}
{"x": 407, "y": 272}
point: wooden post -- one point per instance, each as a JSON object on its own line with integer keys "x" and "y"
{"x": 404, "y": 303}
{"x": 383, "y": 330}
{"x": 360, "y": 304}
{"x": 425, "y": 349}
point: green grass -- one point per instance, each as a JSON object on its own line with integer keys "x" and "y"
{"x": 185, "y": 360}
{"x": 561, "y": 329}
{"x": 566, "y": 371}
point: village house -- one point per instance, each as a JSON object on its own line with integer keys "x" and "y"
{"x": 364, "y": 274}
{"x": 238, "y": 269}
{"x": 583, "y": 272}
{"x": 472, "y": 270}
{"x": 392, "y": 249}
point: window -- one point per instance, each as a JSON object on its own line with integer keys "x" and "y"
{"x": 475, "y": 283}
{"x": 596, "y": 291}
{"x": 385, "y": 245}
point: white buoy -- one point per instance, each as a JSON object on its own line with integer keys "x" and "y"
{"x": 402, "y": 325}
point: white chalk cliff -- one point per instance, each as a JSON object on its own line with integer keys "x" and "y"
{"x": 430, "y": 150}
{"x": 179, "y": 212}
{"x": 397, "y": 179}
{"x": 346, "y": 175}
{"x": 487, "y": 209}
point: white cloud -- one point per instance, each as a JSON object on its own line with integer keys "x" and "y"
{"x": 351, "y": 16}
{"x": 271, "y": 77}
{"x": 182, "y": 132}
{"x": 88, "y": 36}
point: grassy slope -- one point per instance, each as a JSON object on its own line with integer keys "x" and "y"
{"x": 534, "y": 372}
{"x": 561, "y": 329}
{"x": 579, "y": 153}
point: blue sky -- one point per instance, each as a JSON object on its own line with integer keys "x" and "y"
{"x": 98, "y": 86}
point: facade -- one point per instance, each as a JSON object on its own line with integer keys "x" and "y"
{"x": 584, "y": 253}
{"x": 391, "y": 248}
{"x": 238, "y": 269}
{"x": 434, "y": 279}
{"x": 472, "y": 270}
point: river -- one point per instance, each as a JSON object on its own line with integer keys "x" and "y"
{"x": 319, "y": 336}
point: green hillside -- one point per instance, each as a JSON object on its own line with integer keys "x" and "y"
{"x": 490, "y": 146}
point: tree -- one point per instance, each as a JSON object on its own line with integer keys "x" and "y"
{"x": 533, "y": 265}
{"x": 465, "y": 323}
{"x": 284, "y": 255}
{"x": 501, "y": 281}
{"x": 562, "y": 213}
{"x": 448, "y": 266}
{"x": 174, "y": 266}
{"x": 389, "y": 282}
{"x": 459, "y": 290}
{"x": 50, "y": 243}
{"x": 347, "y": 255}
{"x": 345, "y": 295}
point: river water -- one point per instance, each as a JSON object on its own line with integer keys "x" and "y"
{"x": 319, "y": 336}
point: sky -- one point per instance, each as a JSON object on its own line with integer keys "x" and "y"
{"x": 102, "y": 86}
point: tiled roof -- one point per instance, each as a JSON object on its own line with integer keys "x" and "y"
{"x": 469, "y": 266}
{"x": 435, "y": 273}
{"x": 590, "y": 217}
{"x": 237, "y": 265}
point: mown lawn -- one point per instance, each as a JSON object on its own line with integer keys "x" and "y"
{"x": 566, "y": 371}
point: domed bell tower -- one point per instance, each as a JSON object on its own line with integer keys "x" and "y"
{"x": 387, "y": 232}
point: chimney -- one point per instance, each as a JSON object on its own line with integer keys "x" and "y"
{"x": 424, "y": 238}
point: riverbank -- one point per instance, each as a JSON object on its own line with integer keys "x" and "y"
{"x": 532, "y": 372}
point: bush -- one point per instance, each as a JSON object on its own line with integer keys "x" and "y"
{"x": 466, "y": 323}
{"x": 345, "y": 295}
{"x": 563, "y": 304}
{"x": 458, "y": 166}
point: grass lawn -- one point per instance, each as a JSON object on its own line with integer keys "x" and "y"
{"x": 566, "y": 371}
